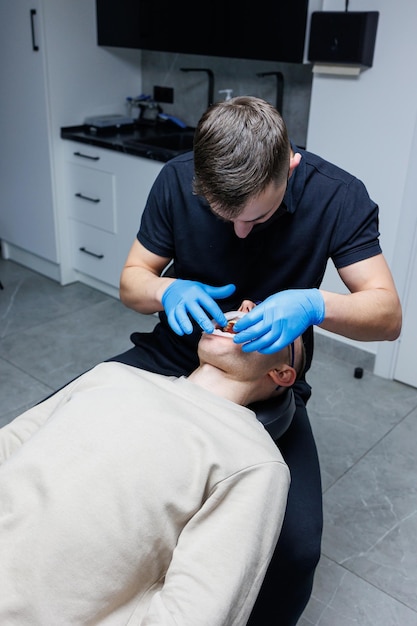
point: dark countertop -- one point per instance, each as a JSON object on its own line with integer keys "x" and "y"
{"x": 166, "y": 140}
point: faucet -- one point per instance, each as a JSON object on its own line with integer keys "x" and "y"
{"x": 280, "y": 87}
{"x": 210, "y": 80}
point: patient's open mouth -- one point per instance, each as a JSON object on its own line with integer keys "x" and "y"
{"x": 229, "y": 326}
{"x": 228, "y": 330}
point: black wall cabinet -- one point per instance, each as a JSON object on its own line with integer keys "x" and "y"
{"x": 267, "y": 30}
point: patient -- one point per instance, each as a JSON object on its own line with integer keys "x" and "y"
{"x": 134, "y": 498}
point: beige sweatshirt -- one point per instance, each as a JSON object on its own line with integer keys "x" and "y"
{"x": 130, "y": 498}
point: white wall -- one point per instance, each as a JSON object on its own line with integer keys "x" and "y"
{"x": 85, "y": 79}
{"x": 365, "y": 124}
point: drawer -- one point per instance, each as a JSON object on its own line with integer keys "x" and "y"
{"x": 90, "y": 156}
{"x": 92, "y": 197}
{"x": 94, "y": 252}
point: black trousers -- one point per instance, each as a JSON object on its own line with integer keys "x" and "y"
{"x": 289, "y": 579}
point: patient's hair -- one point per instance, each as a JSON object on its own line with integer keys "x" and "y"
{"x": 300, "y": 360}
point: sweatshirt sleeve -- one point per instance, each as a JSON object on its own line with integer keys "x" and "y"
{"x": 24, "y": 426}
{"x": 223, "y": 552}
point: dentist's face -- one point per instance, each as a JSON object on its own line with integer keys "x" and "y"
{"x": 257, "y": 211}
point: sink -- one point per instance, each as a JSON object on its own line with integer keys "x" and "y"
{"x": 166, "y": 146}
{"x": 180, "y": 142}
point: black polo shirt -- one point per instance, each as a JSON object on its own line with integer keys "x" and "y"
{"x": 326, "y": 214}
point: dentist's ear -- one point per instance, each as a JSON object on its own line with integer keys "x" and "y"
{"x": 284, "y": 376}
{"x": 294, "y": 162}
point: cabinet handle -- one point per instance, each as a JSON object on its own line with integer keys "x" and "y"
{"x": 32, "y": 28}
{"x": 97, "y": 256}
{"x": 80, "y": 195}
{"x": 87, "y": 156}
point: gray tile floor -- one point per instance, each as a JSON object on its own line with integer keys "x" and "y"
{"x": 366, "y": 432}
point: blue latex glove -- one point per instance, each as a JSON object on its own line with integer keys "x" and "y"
{"x": 188, "y": 297}
{"x": 279, "y": 320}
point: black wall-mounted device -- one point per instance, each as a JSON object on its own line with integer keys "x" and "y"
{"x": 346, "y": 38}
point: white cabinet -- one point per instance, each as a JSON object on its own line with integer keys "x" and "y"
{"x": 26, "y": 199}
{"x": 106, "y": 192}
{"x": 53, "y": 74}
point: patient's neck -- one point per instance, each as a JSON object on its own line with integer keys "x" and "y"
{"x": 222, "y": 384}
{"x": 226, "y": 386}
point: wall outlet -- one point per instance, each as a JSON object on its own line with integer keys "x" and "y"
{"x": 163, "y": 94}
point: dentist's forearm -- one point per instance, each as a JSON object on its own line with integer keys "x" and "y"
{"x": 141, "y": 290}
{"x": 370, "y": 315}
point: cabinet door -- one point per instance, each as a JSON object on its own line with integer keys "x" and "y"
{"x": 26, "y": 207}
{"x": 225, "y": 30}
